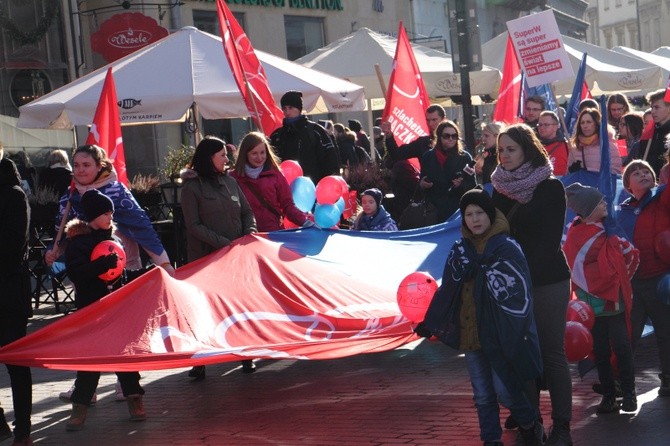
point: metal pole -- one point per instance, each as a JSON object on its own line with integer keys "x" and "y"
{"x": 464, "y": 64}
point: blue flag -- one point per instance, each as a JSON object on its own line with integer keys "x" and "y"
{"x": 573, "y": 107}
{"x": 605, "y": 179}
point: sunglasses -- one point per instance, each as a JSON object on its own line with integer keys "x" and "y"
{"x": 449, "y": 136}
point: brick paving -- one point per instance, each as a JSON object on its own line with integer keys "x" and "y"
{"x": 415, "y": 395}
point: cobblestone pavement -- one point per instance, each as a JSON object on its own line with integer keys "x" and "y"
{"x": 415, "y": 395}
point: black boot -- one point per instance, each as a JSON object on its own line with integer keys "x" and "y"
{"x": 629, "y": 403}
{"x": 608, "y": 405}
{"x": 197, "y": 372}
{"x": 5, "y": 430}
{"x": 560, "y": 434}
{"x": 533, "y": 435}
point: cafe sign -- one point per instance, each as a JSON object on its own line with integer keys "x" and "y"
{"x": 125, "y": 33}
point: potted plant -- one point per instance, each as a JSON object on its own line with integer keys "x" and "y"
{"x": 147, "y": 191}
{"x": 175, "y": 160}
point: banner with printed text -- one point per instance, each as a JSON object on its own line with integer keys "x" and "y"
{"x": 539, "y": 48}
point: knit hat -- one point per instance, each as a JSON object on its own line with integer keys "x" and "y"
{"x": 583, "y": 199}
{"x": 355, "y": 125}
{"x": 94, "y": 203}
{"x": 374, "y": 193}
{"x": 482, "y": 199}
{"x": 292, "y": 98}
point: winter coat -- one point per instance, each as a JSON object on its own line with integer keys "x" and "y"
{"x": 274, "y": 188}
{"x": 642, "y": 221}
{"x": 443, "y": 194}
{"x": 14, "y": 223}
{"x": 347, "y": 147}
{"x": 602, "y": 265}
{"x": 538, "y": 227}
{"x": 381, "y": 221}
{"x": 80, "y": 269}
{"x": 558, "y": 151}
{"x": 309, "y": 144}
{"x": 657, "y": 147}
{"x": 131, "y": 221}
{"x": 503, "y": 299}
{"x": 57, "y": 179}
{"x": 216, "y": 212}
{"x": 589, "y": 156}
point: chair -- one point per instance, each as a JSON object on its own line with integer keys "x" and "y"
{"x": 49, "y": 281}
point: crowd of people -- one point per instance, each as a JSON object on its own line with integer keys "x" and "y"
{"x": 512, "y": 334}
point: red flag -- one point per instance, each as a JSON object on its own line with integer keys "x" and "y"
{"x": 106, "y": 128}
{"x": 248, "y": 72}
{"x": 507, "y": 107}
{"x": 648, "y": 131}
{"x": 406, "y": 97}
{"x": 666, "y": 98}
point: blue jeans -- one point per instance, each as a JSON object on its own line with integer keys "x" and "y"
{"x": 486, "y": 386}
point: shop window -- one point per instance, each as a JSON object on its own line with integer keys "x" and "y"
{"x": 303, "y": 35}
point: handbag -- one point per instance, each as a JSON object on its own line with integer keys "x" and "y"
{"x": 419, "y": 214}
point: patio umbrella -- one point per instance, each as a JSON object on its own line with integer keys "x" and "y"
{"x": 353, "y": 58}
{"x": 160, "y": 82}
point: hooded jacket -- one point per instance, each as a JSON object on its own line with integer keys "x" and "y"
{"x": 503, "y": 299}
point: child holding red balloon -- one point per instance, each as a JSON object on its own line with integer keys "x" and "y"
{"x": 602, "y": 265}
{"x": 484, "y": 307}
{"x": 94, "y": 278}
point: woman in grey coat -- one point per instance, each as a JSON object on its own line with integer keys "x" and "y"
{"x": 215, "y": 209}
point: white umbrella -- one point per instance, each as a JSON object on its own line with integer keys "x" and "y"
{"x": 655, "y": 59}
{"x": 606, "y": 70}
{"x": 353, "y": 58}
{"x": 158, "y": 83}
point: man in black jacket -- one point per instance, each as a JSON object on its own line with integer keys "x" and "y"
{"x": 652, "y": 150}
{"x": 14, "y": 294}
{"x": 304, "y": 141}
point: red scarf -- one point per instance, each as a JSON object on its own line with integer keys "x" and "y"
{"x": 441, "y": 156}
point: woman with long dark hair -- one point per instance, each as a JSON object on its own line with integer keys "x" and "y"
{"x": 585, "y": 149}
{"x": 534, "y": 202}
{"x": 216, "y": 211}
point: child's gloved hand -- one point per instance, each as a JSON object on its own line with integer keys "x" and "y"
{"x": 106, "y": 262}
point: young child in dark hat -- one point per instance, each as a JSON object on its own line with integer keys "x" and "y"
{"x": 373, "y": 216}
{"x": 82, "y": 238}
{"x": 484, "y": 307}
{"x": 602, "y": 265}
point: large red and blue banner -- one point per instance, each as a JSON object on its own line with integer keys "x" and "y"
{"x": 302, "y": 294}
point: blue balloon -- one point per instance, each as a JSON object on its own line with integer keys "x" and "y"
{"x": 663, "y": 289}
{"x": 304, "y": 193}
{"x": 326, "y": 215}
{"x": 340, "y": 204}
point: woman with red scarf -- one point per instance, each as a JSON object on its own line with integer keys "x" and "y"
{"x": 446, "y": 171}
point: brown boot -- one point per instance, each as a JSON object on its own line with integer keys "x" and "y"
{"x": 76, "y": 421}
{"x": 136, "y": 408}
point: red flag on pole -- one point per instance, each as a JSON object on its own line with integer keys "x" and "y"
{"x": 406, "y": 97}
{"x": 666, "y": 98}
{"x": 106, "y": 128}
{"x": 507, "y": 107}
{"x": 248, "y": 72}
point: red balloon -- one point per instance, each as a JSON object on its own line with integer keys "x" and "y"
{"x": 578, "y": 341}
{"x": 291, "y": 170}
{"x": 343, "y": 185}
{"x": 107, "y": 247}
{"x": 329, "y": 190}
{"x": 662, "y": 245}
{"x": 414, "y": 295}
{"x": 580, "y": 311}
